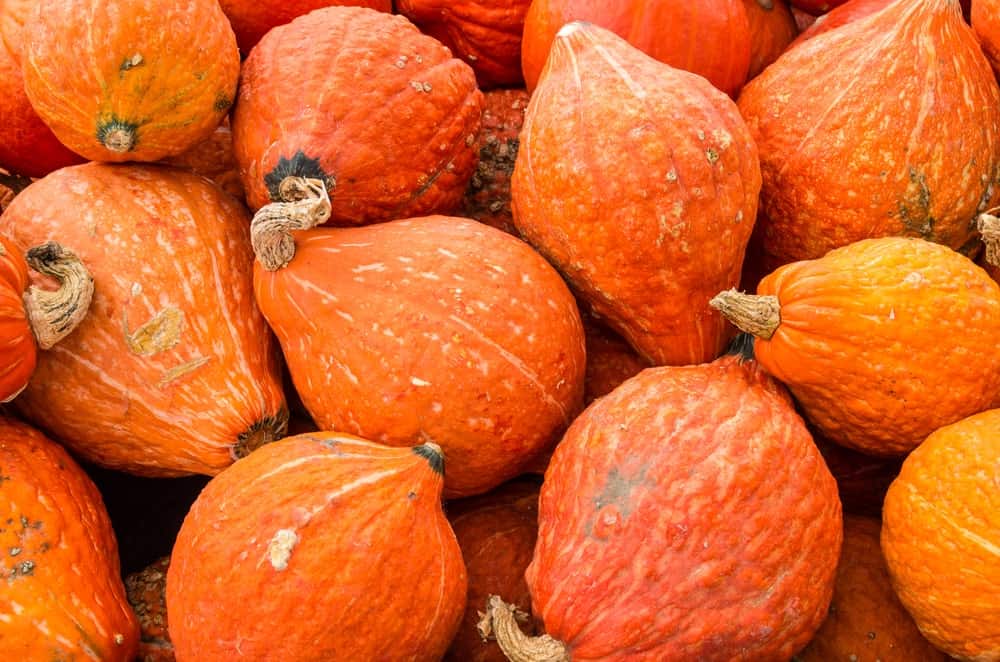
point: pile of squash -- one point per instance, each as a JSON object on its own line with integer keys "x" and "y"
{"x": 541, "y": 330}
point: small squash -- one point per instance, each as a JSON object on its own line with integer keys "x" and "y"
{"x": 941, "y": 537}
{"x": 345, "y": 538}
{"x": 361, "y": 100}
{"x": 646, "y": 221}
{"x": 173, "y": 370}
{"x": 882, "y": 341}
{"x": 61, "y": 596}
{"x": 147, "y": 594}
{"x": 772, "y": 29}
{"x": 130, "y": 89}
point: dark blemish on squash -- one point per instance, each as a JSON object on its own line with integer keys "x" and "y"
{"x": 4, "y": 479}
{"x": 299, "y": 165}
{"x": 871, "y": 635}
{"x": 711, "y": 155}
{"x": 24, "y": 522}
{"x": 433, "y": 456}
{"x": 131, "y": 62}
{"x": 222, "y": 103}
{"x": 200, "y": 75}
{"x": 915, "y": 207}
{"x": 23, "y": 569}
{"x": 411, "y": 496}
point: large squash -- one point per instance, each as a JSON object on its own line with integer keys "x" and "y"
{"x": 650, "y": 213}
{"x": 130, "y": 80}
{"x": 381, "y": 113}
{"x": 882, "y": 341}
{"x": 433, "y": 328}
{"x": 61, "y": 596}
{"x": 173, "y": 370}
{"x": 318, "y": 547}
{"x": 686, "y": 515}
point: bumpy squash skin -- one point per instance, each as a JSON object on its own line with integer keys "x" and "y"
{"x": 173, "y": 364}
{"x": 885, "y": 340}
{"x": 866, "y": 623}
{"x": 318, "y": 547}
{"x": 940, "y": 535}
{"x": 610, "y": 360}
{"x": 18, "y": 351}
{"x": 380, "y": 112}
{"x": 213, "y": 158}
{"x": 687, "y": 515}
{"x": 851, "y": 141}
{"x": 61, "y": 596}
{"x": 649, "y": 221}
{"x": 126, "y": 73}
{"x": 147, "y": 594}
{"x": 434, "y": 328}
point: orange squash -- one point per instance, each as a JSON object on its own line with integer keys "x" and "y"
{"x": 940, "y": 535}
{"x": 648, "y": 221}
{"x": 433, "y": 328}
{"x": 866, "y": 622}
{"x": 850, "y": 11}
{"x": 610, "y": 360}
{"x": 816, "y": 7}
{"x": 840, "y": 162}
{"x": 61, "y": 596}
{"x": 173, "y": 370}
{"x": 318, "y": 547}
{"x": 213, "y": 158}
{"x": 772, "y": 29}
{"x": 882, "y": 341}
{"x": 662, "y": 538}
{"x": 381, "y": 113}
{"x": 862, "y": 479}
{"x": 128, "y": 89}
{"x": 147, "y": 594}
{"x": 985, "y": 19}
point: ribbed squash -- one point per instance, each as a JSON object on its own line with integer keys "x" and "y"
{"x": 61, "y": 597}
{"x": 173, "y": 370}
{"x": 318, "y": 547}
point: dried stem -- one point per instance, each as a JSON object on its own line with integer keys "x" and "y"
{"x": 758, "y": 315}
{"x": 500, "y": 621}
{"x": 305, "y": 204}
{"x": 54, "y": 314}
{"x": 989, "y": 230}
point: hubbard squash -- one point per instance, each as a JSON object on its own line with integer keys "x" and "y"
{"x": 850, "y": 11}
{"x": 648, "y": 220}
{"x": 381, "y": 113}
{"x": 173, "y": 370}
{"x": 941, "y": 537}
{"x": 686, "y": 515}
{"x": 853, "y": 141}
{"x": 610, "y": 360}
{"x": 985, "y": 19}
{"x": 61, "y": 597}
{"x": 318, "y": 547}
{"x": 213, "y": 158}
{"x": 882, "y": 341}
{"x": 147, "y": 594}
{"x": 432, "y": 328}
{"x": 772, "y": 29}
{"x": 129, "y": 89}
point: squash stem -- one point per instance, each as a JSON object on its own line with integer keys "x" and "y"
{"x": 989, "y": 230}
{"x": 304, "y": 204}
{"x": 500, "y": 621}
{"x": 264, "y": 431}
{"x": 53, "y": 315}
{"x": 758, "y": 315}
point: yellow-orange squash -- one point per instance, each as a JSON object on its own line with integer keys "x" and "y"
{"x": 61, "y": 596}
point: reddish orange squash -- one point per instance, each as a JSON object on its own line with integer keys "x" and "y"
{"x": 128, "y": 89}
{"x": 772, "y": 29}
{"x": 173, "y": 370}
{"x": 433, "y": 328}
{"x": 881, "y": 342}
{"x": 862, "y": 479}
{"x": 147, "y": 594}
{"x": 610, "y": 360}
{"x": 866, "y": 622}
{"x": 647, "y": 221}
{"x": 61, "y": 596}
{"x": 710, "y": 38}
{"x": 850, "y": 11}
{"x": 844, "y": 159}
{"x": 213, "y": 158}
{"x": 941, "y": 537}
{"x": 985, "y": 19}
{"x": 381, "y": 113}
{"x": 318, "y": 547}
{"x": 816, "y": 7}
{"x": 687, "y": 515}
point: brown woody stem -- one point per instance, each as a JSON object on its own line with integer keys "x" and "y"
{"x": 989, "y": 230}
{"x": 305, "y": 204}
{"x": 758, "y": 315}
{"x": 500, "y": 621}
{"x": 264, "y": 431}
{"x": 54, "y": 314}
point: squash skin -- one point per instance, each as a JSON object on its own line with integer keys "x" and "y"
{"x": 62, "y": 595}
{"x": 940, "y": 524}
{"x": 374, "y": 571}
{"x": 834, "y": 171}
{"x": 129, "y": 90}
{"x": 644, "y": 246}
{"x": 383, "y": 114}
{"x": 213, "y": 158}
{"x": 850, "y": 11}
{"x": 772, "y": 29}
{"x": 147, "y": 594}
{"x": 985, "y": 19}
{"x": 885, "y": 340}
{"x": 173, "y": 362}
{"x": 18, "y": 350}
{"x": 648, "y": 551}
{"x": 433, "y": 328}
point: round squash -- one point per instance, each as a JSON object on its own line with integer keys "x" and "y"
{"x": 841, "y": 162}
{"x": 985, "y": 19}
{"x": 381, "y": 113}
{"x": 213, "y": 158}
{"x": 345, "y": 539}
{"x": 772, "y": 29}
{"x": 852, "y": 10}
{"x": 941, "y": 537}
{"x": 61, "y": 596}
{"x": 610, "y": 360}
{"x": 173, "y": 370}
{"x": 686, "y": 515}
{"x": 147, "y": 594}
{"x": 130, "y": 89}
{"x": 433, "y": 328}
{"x": 648, "y": 220}
{"x": 882, "y": 341}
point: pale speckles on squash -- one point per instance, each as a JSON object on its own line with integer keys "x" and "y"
{"x": 159, "y": 334}
{"x": 279, "y": 549}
